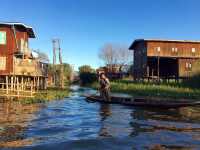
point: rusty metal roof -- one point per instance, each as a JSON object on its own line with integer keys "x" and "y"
{"x": 28, "y": 29}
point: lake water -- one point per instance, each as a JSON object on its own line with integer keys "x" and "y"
{"x": 74, "y": 123}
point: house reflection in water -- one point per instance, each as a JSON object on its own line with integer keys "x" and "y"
{"x": 116, "y": 122}
{"x": 14, "y": 119}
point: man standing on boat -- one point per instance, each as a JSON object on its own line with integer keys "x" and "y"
{"x": 104, "y": 87}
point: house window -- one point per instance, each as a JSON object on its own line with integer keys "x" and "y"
{"x": 2, "y": 37}
{"x": 174, "y": 50}
{"x": 193, "y": 50}
{"x": 26, "y": 46}
{"x": 22, "y": 45}
{"x": 188, "y": 66}
{"x": 157, "y": 49}
{"x": 2, "y": 63}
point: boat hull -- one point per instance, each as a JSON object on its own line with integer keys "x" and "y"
{"x": 141, "y": 102}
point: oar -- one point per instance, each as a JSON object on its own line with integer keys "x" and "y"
{"x": 91, "y": 101}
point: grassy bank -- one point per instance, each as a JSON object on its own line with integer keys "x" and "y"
{"x": 172, "y": 91}
{"x": 47, "y": 95}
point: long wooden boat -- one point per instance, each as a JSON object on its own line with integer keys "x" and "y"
{"x": 142, "y": 102}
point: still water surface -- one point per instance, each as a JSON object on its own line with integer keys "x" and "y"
{"x": 74, "y": 123}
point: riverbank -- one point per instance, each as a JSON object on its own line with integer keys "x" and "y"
{"x": 150, "y": 90}
{"x": 47, "y": 95}
{"x": 78, "y": 124}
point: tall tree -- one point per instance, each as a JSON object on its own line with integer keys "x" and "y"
{"x": 115, "y": 54}
{"x": 108, "y": 54}
{"x": 42, "y": 56}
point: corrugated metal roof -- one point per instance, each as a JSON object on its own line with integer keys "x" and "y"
{"x": 168, "y": 40}
{"x": 161, "y": 40}
{"x": 29, "y": 29}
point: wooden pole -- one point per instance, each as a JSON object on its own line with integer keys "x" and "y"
{"x": 45, "y": 83}
{"x": 37, "y": 83}
{"x": 7, "y": 85}
{"x": 31, "y": 90}
{"x": 11, "y": 83}
{"x": 158, "y": 68}
{"x": 34, "y": 82}
{"x": 22, "y": 83}
{"x": 18, "y": 86}
{"x": 14, "y": 83}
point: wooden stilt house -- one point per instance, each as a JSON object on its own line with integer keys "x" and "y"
{"x": 20, "y": 71}
{"x": 165, "y": 59}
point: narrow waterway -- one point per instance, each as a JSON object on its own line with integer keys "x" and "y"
{"x": 74, "y": 123}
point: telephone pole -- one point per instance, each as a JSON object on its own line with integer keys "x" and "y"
{"x": 58, "y": 74}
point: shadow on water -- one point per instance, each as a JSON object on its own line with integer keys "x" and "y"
{"x": 75, "y": 123}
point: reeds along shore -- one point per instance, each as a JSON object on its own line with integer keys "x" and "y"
{"x": 47, "y": 95}
{"x": 162, "y": 90}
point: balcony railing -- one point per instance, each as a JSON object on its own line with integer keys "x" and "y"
{"x": 29, "y": 67}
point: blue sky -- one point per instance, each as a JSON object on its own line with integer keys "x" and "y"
{"x": 84, "y": 26}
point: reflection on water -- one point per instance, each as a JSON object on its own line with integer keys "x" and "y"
{"x": 104, "y": 111}
{"x": 14, "y": 119}
{"x": 76, "y": 124}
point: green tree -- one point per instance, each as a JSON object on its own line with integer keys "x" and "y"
{"x": 86, "y": 68}
{"x": 87, "y": 74}
{"x": 56, "y": 70}
{"x": 67, "y": 70}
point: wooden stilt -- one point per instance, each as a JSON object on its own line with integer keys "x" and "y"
{"x": 22, "y": 83}
{"x": 18, "y": 86}
{"x": 21, "y": 86}
{"x": 11, "y": 83}
{"x": 34, "y": 82}
{"x": 7, "y": 85}
{"x": 38, "y": 83}
{"x": 31, "y": 90}
{"x": 15, "y": 83}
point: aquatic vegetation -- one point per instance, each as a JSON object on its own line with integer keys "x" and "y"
{"x": 47, "y": 95}
{"x": 153, "y": 90}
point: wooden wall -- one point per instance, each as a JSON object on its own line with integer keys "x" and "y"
{"x": 10, "y": 47}
{"x": 7, "y": 50}
{"x": 140, "y": 60}
{"x": 185, "y": 70}
{"x": 173, "y": 49}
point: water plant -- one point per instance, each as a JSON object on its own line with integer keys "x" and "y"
{"x": 136, "y": 89}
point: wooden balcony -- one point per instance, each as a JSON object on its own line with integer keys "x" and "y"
{"x": 29, "y": 67}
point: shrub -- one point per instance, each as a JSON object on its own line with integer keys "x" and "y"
{"x": 87, "y": 78}
{"x": 192, "y": 82}
{"x": 87, "y": 74}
